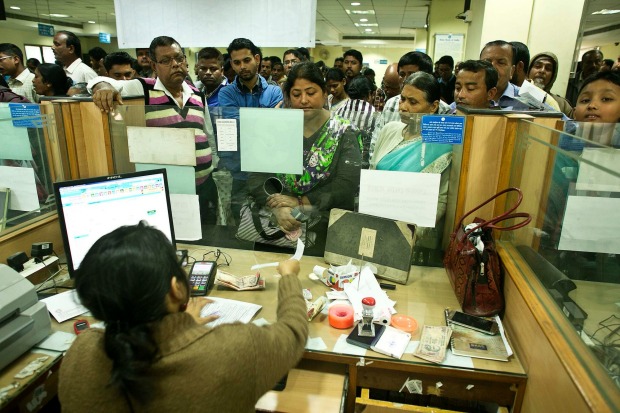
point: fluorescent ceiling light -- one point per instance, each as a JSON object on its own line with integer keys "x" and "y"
{"x": 360, "y": 11}
{"x": 605, "y": 11}
{"x": 366, "y": 24}
{"x": 15, "y": 8}
{"x": 57, "y": 15}
{"x": 363, "y": 20}
{"x": 355, "y": 4}
{"x": 368, "y": 30}
{"x": 92, "y": 21}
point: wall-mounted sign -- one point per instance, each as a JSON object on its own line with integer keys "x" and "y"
{"x": 104, "y": 38}
{"x": 46, "y": 30}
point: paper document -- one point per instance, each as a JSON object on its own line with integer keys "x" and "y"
{"x": 299, "y": 252}
{"x": 229, "y": 311}
{"x": 406, "y": 196}
{"x": 226, "y": 135}
{"x": 271, "y": 140}
{"x": 23, "y": 187}
{"x": 57, "y": 341}
{"x": 64, "y": 306}
{"x": 593, "y": 178}
{"x": 591, "y": 224}
{"x": 171, "y": 146}
{"x": 186, "y": 217}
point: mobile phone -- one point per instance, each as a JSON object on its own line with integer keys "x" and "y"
{"x": 201, "y": 277}
{"x": 80, "y": 325}
{"x": 475, "y": 323}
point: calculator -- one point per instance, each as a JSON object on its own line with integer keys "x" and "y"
{"x": 201, "y": 277}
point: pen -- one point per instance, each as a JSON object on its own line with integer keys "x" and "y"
{"x": 387, "y": 286}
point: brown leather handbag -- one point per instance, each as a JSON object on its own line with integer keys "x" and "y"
{"x": 476, "y": 277}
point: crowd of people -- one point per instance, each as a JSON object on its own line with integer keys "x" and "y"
{"x": 345, "y": 101}
{"x": 349, "y": 123}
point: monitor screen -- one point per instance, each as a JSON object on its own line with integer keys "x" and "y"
{"x": 90, "y": 208}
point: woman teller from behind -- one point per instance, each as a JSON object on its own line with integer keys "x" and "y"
{"x": 155, "y": 355}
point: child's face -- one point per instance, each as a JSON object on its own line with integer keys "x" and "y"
{"x": 599, "y": 102}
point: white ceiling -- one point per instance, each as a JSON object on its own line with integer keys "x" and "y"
{"x": 394, "y": 18}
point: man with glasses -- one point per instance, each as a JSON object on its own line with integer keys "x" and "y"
{"x": 171, "y": 102}
{"x": 390, "y": 87}
{"x": 12, "y": 64}
{"x": 290, "y": 58}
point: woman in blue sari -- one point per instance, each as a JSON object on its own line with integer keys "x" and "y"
{"x": 399, "y": 147}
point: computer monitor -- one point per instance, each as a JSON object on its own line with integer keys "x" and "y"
{"x": 90, "y": 208}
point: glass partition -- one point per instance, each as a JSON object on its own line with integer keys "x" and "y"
{"x": 27, "y": 165}
{"x": 287, "y": 169}
{"x": 571, "y": 186}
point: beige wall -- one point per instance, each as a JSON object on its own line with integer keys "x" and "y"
{"x": 442, "y": 20}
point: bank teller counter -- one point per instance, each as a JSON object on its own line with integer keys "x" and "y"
{"x": 566, "y": 262}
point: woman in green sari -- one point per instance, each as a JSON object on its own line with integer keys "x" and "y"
{"x": 332, "y": 160}
{"x": 399, "y": 147}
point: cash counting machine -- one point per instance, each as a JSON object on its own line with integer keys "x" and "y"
{"x": 24, "y": 321}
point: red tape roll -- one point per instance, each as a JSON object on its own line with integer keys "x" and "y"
{"x": 341, "y": 316}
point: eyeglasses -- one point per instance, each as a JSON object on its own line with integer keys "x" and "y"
{"x": 217, "y": 254}
{"x": 6, "y": 57}
{"x": 167, "y": 61}
{"x": 291, "y": 62}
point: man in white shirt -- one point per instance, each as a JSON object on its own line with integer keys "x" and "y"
{"x": 12, "y": 64}
{"x": 67, "y": 50}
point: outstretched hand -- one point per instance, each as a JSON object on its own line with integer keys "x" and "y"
{"x": 104, "y": 96}
{"x": 289, "y": 267}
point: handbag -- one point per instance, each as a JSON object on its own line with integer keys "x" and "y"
{"x": 255, "y": 225}
{"x": 475, "y": 270}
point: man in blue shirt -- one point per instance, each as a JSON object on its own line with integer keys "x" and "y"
{"x": 210, "y": 73}
{"x": 248, "y": 90}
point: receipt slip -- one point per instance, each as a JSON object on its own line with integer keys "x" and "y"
{"x": 247, "y": 283}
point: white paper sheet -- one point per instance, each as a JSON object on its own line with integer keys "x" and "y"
{"x": 271, "y": 140}
{"x": 186, "y": 217}
{"x": 528, "y": 89}
{"x": 591, "y": 178}
{"x": 57, "y": 341}
{"x": 170, "y": 146}
{"x": 591, "y": 224}
{"x": 406, "y": 196}
{"x": 23, "y": 187}
{"x": 229, "y": 311}
{"x": 315, "y": 343}
{"x": 64, "y": 306}
{"x": 226, "y": 135}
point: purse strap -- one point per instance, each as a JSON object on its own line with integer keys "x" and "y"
{"x": 259, "y": 226}
{"x": 492, "y": 223}
{"x": 505, "y": 214}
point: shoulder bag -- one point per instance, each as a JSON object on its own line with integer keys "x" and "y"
{"x": 472, "y": 261}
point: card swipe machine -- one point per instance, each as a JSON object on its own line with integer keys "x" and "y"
{"x": 24, "y": 320}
